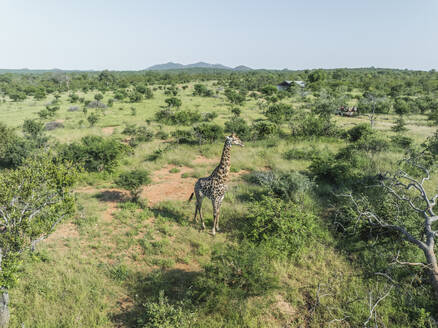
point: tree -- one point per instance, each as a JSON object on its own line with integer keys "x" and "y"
{"x": 34, "y": 133}
{"x": 33, "y": 199}
{"x": 278, "y": 113}
{"x": 92, "y": 119}
{"x": 234, "y": 97}
{"x": 134, "y": 181}
{"x": 401, "y": 107}
{"x": 173, "y": 102}
{"x": 408, "y": 186}
{"x": 236, "y": 111}
{"x": 202, "y": 90}
{"x": 94, "y": 153}
{"x": 269, "y": 90}
{"x": 400, "y": 125}
{"x": 98, "y": 96}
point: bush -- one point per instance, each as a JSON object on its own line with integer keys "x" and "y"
{"x": 130, "y": 129}
{"x": 349, "y": 168}
{"x": 373, "y": 143}
{"x": 236, "y": 272}
{"x": 359, "y": 131}
{"x": 287, "y": 185}
{"x": 206, "y": 132}
{"x": 134, "y": 181}
{"x": 184, "y": 137}
{"x": 173, "y": 102}
{"x": 281, "y": 226}
{"x": 143, "y": 134}
{"x": 400, "y": 125}
{"x": 13, "y": 149}
{"x": 94, "y": 153}
{"x": 295, "y": 153}
{"x": 208, "y": 117}
{"x": 183, "y": 117}
{"x": 92, "y": 119}
{"x": 202, "y": 90}
{"x": 263, "y": 129}
{"x": 309, "y": 125}
{"x": 278, "y": 113}
{"x": 402, "y": 142}
{"x": 162, "y": 314}
{"x": 238, "y": 126}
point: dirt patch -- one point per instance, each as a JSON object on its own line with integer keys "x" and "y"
{"x": 169, "y": 186}
{"x": 108, "y": 130}
{"x": 64, "y": 231}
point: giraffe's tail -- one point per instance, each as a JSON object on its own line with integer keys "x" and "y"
{"x": 191, "y": 196}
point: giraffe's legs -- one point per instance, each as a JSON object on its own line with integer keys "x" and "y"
{"x": 199, "y": 200}
{"x": 196, "y": 212}
{"x": 202, "y": 219}
{"x": 215, "y": 216}
{"x": 218, "y": 212}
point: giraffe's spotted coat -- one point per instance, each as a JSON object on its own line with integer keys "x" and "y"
{"x": 213, "y": 187}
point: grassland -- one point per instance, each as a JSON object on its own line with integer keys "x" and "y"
{"x": 99, "y": 268}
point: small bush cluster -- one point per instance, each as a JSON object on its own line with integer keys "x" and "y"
{"x": 286, "y": 185}
{"x": 182, "y": 117}
{"x": 94, "y": 153}
{"x": 281, "y": 226}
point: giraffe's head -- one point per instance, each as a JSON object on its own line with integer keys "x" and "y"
{"x": 234, "y": 140}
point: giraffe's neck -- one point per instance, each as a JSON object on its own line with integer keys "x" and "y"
{"x": 222, "y": 170}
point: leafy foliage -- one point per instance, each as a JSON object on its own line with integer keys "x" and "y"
{"x": 281, "y": 226}
{"x": 134, "y": 181}
{"x": 33, "y": 199}
{"x": 94, "y": 153}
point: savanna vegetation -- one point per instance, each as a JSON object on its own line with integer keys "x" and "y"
{"x": 328, "y": 220}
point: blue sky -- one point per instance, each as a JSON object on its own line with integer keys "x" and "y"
{"x": 134, "y": 34}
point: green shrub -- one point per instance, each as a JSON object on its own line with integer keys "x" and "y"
{"x": 296, "y": 153}
{"x": 161, "y": 313}
{"x": 134, "y": 181}
{"x": 202, "y": 90}
{"x": 143, "y": 134}
{"x": 400, "y": 125}
{"x": 311, "y": 125}
{"x": 13, "y": 149}
{"x": 278, "y": 113}
{"x": 94, "y": 153}
{"x": 287, "y": 185}
{"x": 402, "y": 142}
{"x": 263, "y": 129}
{"x": 184, "y": 137}
{"x": 208, "y": 117}
{"x": 183, "y": 117}
{"x": 236, "y": 272}
{"x": 130, "y": 129}
{"x": 282, "y": 226}
{"x": 208, "y": 132}
{"x": 240, "y": 127}
{"x": 349, "y": 168}
{"x": 359, "y": 131}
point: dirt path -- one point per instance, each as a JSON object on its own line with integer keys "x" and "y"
{"x": 168, "y": 183}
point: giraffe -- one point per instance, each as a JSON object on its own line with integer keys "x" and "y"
{"x": 213, "y": 187}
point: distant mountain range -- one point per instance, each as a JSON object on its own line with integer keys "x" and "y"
{"x": 172, "y": 66}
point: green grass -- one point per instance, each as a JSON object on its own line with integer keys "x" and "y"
{"x": 98, "y": 273}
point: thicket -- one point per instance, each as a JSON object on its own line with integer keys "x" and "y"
{"x": 94, "y": 153}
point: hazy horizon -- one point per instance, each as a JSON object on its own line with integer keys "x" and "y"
{"x": 135, "y": 35}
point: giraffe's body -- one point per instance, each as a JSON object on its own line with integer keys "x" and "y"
{"x": 213, "y": 187}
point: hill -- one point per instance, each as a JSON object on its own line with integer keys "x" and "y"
{"x": 173, "y": 66}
